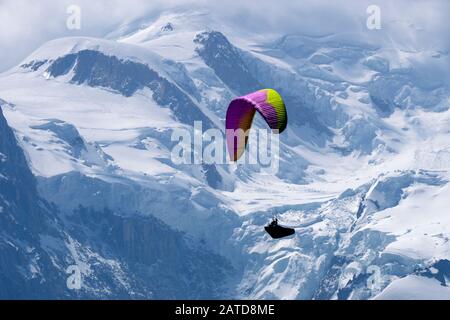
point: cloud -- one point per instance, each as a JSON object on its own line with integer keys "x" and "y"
{"x": 25, "y": 25}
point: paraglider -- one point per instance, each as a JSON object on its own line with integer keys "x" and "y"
{"x": 238, "y": 122}
{"x": 276, "y": 231}
{"x": 240, "y": 115}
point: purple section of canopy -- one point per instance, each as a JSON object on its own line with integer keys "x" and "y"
{"x": 240, "y": 116}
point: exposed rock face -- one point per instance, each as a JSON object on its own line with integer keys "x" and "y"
{"x": 118, "y": 256}
{"x": 26, "y": 270}
{"x": 220, "y": 55}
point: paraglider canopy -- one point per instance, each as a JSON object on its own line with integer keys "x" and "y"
{"x": 240, "y": 115}
{"x": 276, "y": 231}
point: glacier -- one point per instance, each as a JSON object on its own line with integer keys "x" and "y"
{"x": 86, "y": 177}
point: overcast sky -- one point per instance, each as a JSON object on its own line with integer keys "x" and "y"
{"x": 26, "y": 24}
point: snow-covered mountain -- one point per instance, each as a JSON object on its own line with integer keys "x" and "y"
{"x": 363, "y": 172}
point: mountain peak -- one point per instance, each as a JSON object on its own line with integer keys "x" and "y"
{"x": 143, "y": 30}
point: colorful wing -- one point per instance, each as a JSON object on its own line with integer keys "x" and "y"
{"x": 240, "y": 115}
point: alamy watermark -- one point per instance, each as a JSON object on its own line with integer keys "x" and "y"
{"x": 375, "y": 280}
{"x": 74, "y": 280}
{"x": 253, "y": 147}
{"x": 373, "y": 21}
{"x": 73, "y": 21}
